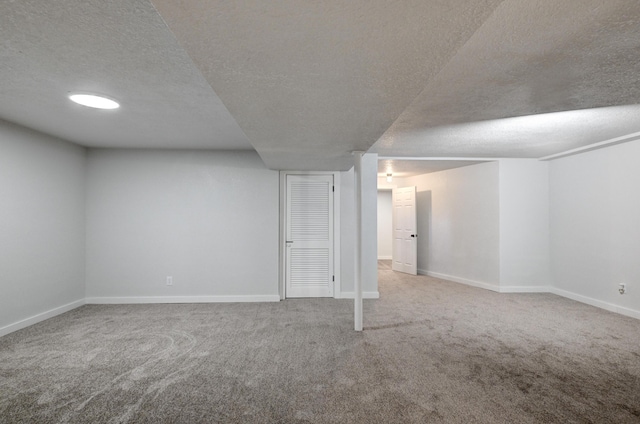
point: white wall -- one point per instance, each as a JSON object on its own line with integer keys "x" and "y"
{"x": 385, "y": 233}
{"x": 42, "y": 212}
{"x": 347, "y": 231}
{"x": 524, "y": 224}
{"x": 347, "y": 224}
{"x": 370, "y": 223}
{"x": 208, "y": 219}
{"x": 383, "y": 184}
{"x": 595, "y": 226}
{"x": 458, "y": 223}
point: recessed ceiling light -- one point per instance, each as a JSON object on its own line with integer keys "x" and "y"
{"x": 91, "y": 100}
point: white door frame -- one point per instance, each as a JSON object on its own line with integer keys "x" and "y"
{"x": 336, "y": 229}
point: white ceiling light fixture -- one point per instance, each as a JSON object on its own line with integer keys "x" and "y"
{"x": 94, "y": 101}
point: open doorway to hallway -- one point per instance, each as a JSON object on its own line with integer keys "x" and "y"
{"x": 396, "y": 174}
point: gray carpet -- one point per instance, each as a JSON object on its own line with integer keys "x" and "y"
{"x": 432, "y": 351}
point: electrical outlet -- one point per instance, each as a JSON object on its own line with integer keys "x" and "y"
{"x": 622, "y": 288}
{"x": 169, "y": 280}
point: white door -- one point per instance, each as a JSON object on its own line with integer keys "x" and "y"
{"x": 405, "y": 252}
{"x": 309, "y": 236}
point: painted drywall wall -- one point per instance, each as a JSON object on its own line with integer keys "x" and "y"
{"x": 459, "y": 224}
{"x": 347, "y": 231}
{"x": 42, "y": 212}
{"x": 369, "y": 222}
{"x": 384, "y": 224}
{"x": 595, "y": 226}
{"x": 383, "y": 184}
{"x": 207, "y": 219}
{"x": 524, "y": 225}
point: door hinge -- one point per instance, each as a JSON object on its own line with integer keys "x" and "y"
{"x": 333, "y": 279}
{"x": 333, "y": 189}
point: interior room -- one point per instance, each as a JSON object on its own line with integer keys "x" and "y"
{"x": 199, "y": 217}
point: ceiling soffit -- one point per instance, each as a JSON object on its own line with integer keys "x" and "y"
{"x": 310, "y": 82}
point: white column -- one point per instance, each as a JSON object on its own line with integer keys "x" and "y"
{"x": 358, "y": 256}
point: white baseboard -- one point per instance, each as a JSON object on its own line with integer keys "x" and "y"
{"x": 597, "y": 303}
{"x": 365, "y": 295}
{"x": 538, "y": 289}
{"x": 385, "y": 258}
{"x": 487, "y": 286}
{"x": 525, "y": 289}
{"x": 40, "y": 317}
{"x": 460, "y": 280}
{"x": 182, "y": 299}
{"x": 276, "y": 298}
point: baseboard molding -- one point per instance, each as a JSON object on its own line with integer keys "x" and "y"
{"x": 40, "y": 317}
{"x": 538, "y": 289}
{"x": 487, "y": 286}
{"x": 460, "y": 280}
{"x": 276, "y": 298}
{"x": 525, "y": 289}
{"x": 181, "y": 299}
{"x": 385, "y": 258}
{"x": 597, "y": 303}
{"x": 365, "y": 295}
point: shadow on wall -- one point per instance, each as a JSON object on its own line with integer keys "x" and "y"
{"x": 423, "y": 207}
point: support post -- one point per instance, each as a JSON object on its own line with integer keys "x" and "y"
{"x": 358, "y": 256}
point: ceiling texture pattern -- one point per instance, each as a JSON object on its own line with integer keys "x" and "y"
{"x": 307, "y": 83}
{"x": 310, "y": 82}
{"x": 403, "y": 168}
{"x": 528, "y": 60}
{"x": 119, "y": 48}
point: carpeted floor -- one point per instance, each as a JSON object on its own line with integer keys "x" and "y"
{"x": 432, "y": 351}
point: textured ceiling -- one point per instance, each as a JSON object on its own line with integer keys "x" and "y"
{"x": 120, "y": 48}
{"x": 531, "y": 136}
{"x": 310, "y": 82}
{"x": 307, "y": 83}
{"x": 530, "y": 57}
{"x": 409, "y": 168}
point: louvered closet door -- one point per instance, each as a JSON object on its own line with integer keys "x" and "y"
{"x": 309, "y": 244}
